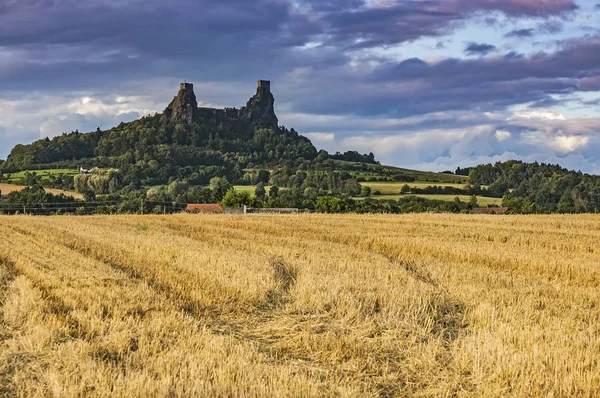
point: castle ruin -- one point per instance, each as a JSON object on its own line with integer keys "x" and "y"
{"x": 259, "y": 110}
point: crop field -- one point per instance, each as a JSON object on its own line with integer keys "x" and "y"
{"x": 391, "y": 188}
{"x": 251, "y": 188}
{"x": 304, "y": 305}
{"x": 8, "y": 188}
{"x": 483, "y": 201}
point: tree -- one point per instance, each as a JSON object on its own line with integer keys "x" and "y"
{"x": 263, "y": 176}
{"x": 260, "y": 191}
{"x": 331, "y": 204}
{"x": 473, "y": 201}
{"x": 365, "y": 191}
{"x": 219, "y": 186}
{"x": 235, "y": 198}
{"x": 405, "y": 189}
{"x": 177, "y": 188}
{"x": 274, "y": 191}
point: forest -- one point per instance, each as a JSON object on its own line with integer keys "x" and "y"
{"x": 539, "y": 188}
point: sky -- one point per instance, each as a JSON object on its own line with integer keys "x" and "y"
{"x": 425, "y": 84}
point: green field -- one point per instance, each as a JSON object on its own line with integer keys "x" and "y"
{"x": 251, "y": 188}
{"x": 481, "y": 200}
{"x": 378, "y": 171}
{"x": 44, "y": 174}
{"x": 393, "y": 188}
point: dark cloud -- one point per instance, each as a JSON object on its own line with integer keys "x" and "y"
{"x": 592, "y": 103}
{"x": 479, "y": 49}
{"x": 597, "y": 7}
{"x": 415, "y": 86}
{"x": 307, "y": 47}
{"x": 520, "y": 33}
{"x": 552, "y": 27}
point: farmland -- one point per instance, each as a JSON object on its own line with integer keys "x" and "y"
{"x": 8, "y": 188}
{"x": 393, "y": 188}
{"x": 43, "y": 174}
{"x": 482, "y": 201}
{"x": 311, "y": 305}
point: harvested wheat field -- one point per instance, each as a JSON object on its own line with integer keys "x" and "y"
{"x": 305, "y": 305}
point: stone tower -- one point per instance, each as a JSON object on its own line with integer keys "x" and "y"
{"x": 184, "y": 107}
{"x": 265, "y": 84}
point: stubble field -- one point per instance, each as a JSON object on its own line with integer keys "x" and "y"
{"x": 310, "y": 305}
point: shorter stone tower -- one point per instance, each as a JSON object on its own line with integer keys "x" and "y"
{"x": 186, "y": 86}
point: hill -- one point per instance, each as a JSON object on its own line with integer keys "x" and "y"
{"x": 192, "y": 154}
{"x": 183, "y": 141}
{"x": 173, "y": 156}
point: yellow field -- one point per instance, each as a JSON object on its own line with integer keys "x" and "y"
{"x": 8, "y": 188}
{"x": 306, "y": 305}
{"x": 483, "y": 201}
{"x": 393, "y": 188}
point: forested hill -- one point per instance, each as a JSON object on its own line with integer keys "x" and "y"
{"x": 182, "y": 141}
{"x": 539, "y": 188}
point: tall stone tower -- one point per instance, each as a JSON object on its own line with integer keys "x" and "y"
{"x": 184, "y": 107}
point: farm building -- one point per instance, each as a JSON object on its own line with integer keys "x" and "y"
{"x": 490, "y": 210}
{"x": 204, "y": 208}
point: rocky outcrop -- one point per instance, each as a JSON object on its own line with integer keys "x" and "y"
{"x": 259, "y": 110}
{"x": 184, "y": 107}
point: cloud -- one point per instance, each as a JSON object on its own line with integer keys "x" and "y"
{"x": 546, "y": 103}
{"x": 568, "y": 144}
{"x": 414, "y": 86}
{"x": 319, "y": 138}
{"x": 479, "y": 49}
{"x": 520, "y": 33}
{"x": 540, "y": 115}
{"x": 502, "y": 135}
{"x": 592, "y": 103}
{"x": 552, "y": 26}
{"x": 341, "y": 70}
{"x": 60, "y": 114}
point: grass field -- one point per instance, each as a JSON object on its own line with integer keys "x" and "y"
{"x": 44, "y": 174}
{"x": 378, "y": 171}
{"x": 250, "y": 188}
{"x": 393, "y": 188}
{"x": 481, "y": 200}
{"x": 8, "y": 188}
{"x": 311, "y": 305}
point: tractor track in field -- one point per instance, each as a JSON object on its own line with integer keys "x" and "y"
{"x": 246, "y": 328}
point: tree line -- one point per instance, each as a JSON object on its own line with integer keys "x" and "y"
{"x": 539, "y": 187}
